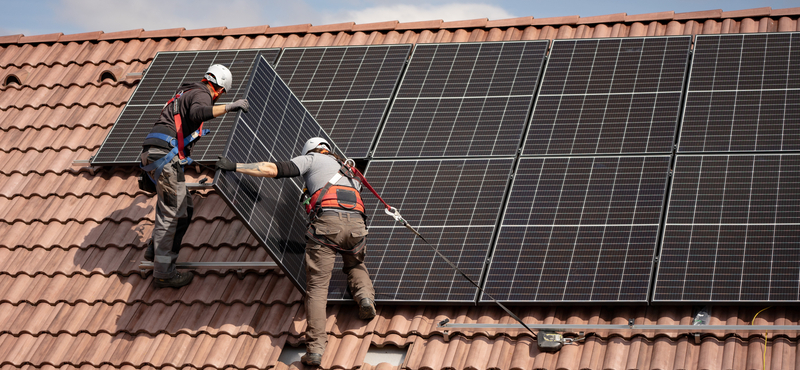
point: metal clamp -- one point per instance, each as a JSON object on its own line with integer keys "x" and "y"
{"x": 394, "y": 213}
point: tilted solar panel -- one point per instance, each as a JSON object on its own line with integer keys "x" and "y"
{"x": 732, "y": 230}
{"x": 164, "y": 76}
{"x": 453, "y": 203}
{"x": 275, "y": 129}
{"x": 743, "y": 94}
{"x": 347, "y": 89}
{"x": 469, "y": 99}
{"x": 609, "y": 96}
{"x": 579, "y": 229}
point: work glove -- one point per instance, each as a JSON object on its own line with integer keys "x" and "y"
{"x": 240, "y": 104}
{"x": 225, "y": 164}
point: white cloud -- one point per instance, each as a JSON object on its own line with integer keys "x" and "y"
{"x": 413, "y": 13}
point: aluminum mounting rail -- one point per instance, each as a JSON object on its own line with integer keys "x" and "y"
{"x": 581, "y": 327}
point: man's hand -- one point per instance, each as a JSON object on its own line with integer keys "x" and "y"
{"x": 240, "y": 104}
{"x": 225, "y": 164}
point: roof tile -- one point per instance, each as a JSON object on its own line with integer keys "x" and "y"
{"x": 785, "y": 11}
{"x": 204, "y": 32}
{"x": 157, "y": 34}
{"x": 50, "y": 37}
{"x": 255, "y": 30}
{"x": 705, "y": 14}
{"x": 660, "y": 16}
{"x": 608, "y": 18}
{"x": 755, "y": 12}
{"x": 122, "y": 35}
{"x": 471, "y": 23}
{"x": 297, "y": 28}
{"x": 10, "y": 39}
{"x": 422, "y": 25}
{"x": 337, "y": 27}
{"x": 572, "y": 19}
{"x": 378, "y": 26}
{"x": 510, "y": 22}
{"x": 86, "y": 36}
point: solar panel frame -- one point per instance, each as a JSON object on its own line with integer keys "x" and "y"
{"x": 350, "y": 103}
{"x": 270, "y": 208}
{"x": 507, "y": 101}
{"x": 123, "y": 143}
{"x": 402, "y": 267}
{"x": 698, "y": 260}
{"x": 609, "y": 102}
{"x": 544, "y": 243}
{"x": 714, "y": 97}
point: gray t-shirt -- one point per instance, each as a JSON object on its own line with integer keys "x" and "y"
{"x": 317, "y": 169}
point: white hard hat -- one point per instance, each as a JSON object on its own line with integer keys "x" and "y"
{"x": 219, "y": 75}
{"x": 315, "y": 142}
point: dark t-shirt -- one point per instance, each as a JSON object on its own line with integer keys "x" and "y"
{"x": 196, "y": 106}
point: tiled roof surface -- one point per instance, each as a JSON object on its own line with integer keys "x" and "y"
{"x": 71, "y": 237}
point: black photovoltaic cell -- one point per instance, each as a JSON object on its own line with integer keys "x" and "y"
{"x": 609, "y": 96}
{"x": 454, "y": 204}
{"x": 164, "y": 76}
{"x": 347, "y": 89}
{"x": 732, "y": 230}
{"x": 579, "y": 229}
{"x": 467, "y": 99}
{"x": 743, "y": 95}
{"x": 275, "y": 129}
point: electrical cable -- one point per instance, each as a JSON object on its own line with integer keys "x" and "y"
{"x": 764, "y": 351}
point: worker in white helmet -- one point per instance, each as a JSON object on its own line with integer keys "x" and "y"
{"x": 336, "y": 213}
{"x": 164, "y": 153}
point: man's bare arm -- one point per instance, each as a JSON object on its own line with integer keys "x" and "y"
{"x": 260, "y": 169}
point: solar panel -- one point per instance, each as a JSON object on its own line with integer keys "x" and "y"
{"x": 609, "y": 96}
{"x": 275, "y": 129}
{"x": 455, "y": 204}
{"x": 743, "y": 94}
{"x": 579, "y": 229}
{"x": 469, "y": 99}
{"x": 732, "y": 230}
{"x": 163, "y": 77}
{"x": 347, "y": 89}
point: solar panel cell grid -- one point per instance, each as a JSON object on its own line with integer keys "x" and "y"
{"x": 275, "y": 129}
{"x": 455, "y": 204}
{"x": 346, "y": 88}
{"x": 609, "y": 96}
{"x": 579, "y": 229}
{"x": 467, "y": 99}
{"x": 742, "y": 95}
{"x": 732, "y": 230}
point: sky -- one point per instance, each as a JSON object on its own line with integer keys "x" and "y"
{"x": 36, "y": 17}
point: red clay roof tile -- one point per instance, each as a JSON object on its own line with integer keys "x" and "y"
{"x": 705, "y": 14}
{"x": 377, "y": 26}
{"x": 50, "y": 37}
{"x": 785, "y": 11}
{"x": 204, "y": 32}
{"x": 121, "y": 35}
{"x": 157, "y": 34}
{"x": 572, "y": 19}
{"x": 755, "y": 12}
{"x": 422, "y": 25}
{"x": 337, "y": 27}
{"x": 10, "y": 39}
{"x": 608, "y": 18}
{"x": 660, "y": 16}
{"x": 471, "y": 23}
{"x": 297, "y": 28}
{"x": 254, "y": 30}
{"x": 510, "y": 22}
{"x": 86, "y": 36}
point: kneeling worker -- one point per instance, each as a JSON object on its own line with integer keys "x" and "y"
{"x": 163, "y": 157}
{"x": 337, "y": 225}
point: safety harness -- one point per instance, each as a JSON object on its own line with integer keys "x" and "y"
{"x": 178, "y": 146}
{"x": 333, "y": 196}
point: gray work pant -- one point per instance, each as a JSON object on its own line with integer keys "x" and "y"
{"x": 174, "y": 210}
{"x": 346, "y": 230}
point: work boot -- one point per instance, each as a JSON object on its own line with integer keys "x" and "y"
{"x": 150, "y": 252}
{"x": 312, "y": 359}
{"x": 180, "y": 279}
{"x": 366, "y": 310}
